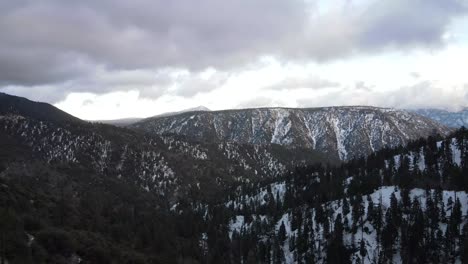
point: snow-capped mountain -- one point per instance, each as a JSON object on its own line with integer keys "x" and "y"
{"x": 448, "y": 118}
{"x": 344, "y": 132}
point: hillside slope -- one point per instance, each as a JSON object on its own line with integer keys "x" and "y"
{"x": 406, "y": 205}
{"x": 74, "y": 191}
{"x": 153, "y": 162}
{"x": 14, "y": 105}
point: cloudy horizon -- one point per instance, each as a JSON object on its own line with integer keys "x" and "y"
{"x": 116, "y": 59}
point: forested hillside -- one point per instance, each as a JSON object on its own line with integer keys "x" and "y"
{"x": 398, "y": 205}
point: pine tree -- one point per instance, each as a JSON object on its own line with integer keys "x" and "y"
{"x": 388, "y": 236}
{"x": 464, "y": 245}
{"x": 303, "y": 239}
{"x": 362, "y": 249}
{"x": 370, "y": 209}
{"x": 292, "y": 242}
{"x": 357, "y": 212}
{"x": 336, "y": 251}
{"x": 345, "y": 207}
{"x": 453, "y": 229}
{"x": 416, "y": 234}
{"x": 395, "y": 210}
{"x": 278, "y": 255}
{"x": 405, "y": 199}
{"x": 282, "y": 232}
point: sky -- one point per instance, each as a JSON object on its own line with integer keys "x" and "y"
{"x": 111, "y": 59}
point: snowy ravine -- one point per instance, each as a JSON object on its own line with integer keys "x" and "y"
{"x": 364, "y": 230}
{"x": 342, "y": 132}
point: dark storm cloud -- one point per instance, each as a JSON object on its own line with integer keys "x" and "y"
{"x": 29, "y": 66}
{"x": 382, "y": 25}
{"x": 64, "y": 43}
{"x": 407, "y": 23}
{"x": 138, "y": 34}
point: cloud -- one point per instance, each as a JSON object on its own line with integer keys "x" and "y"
{"x": 120, "y": 35}
{"x": 407, "y": 23}
{"x": 415, "y": 75}
{"x": 184, "y": 83}
{"x": 40, "y": 93}
{"x": 310, "y": 82}
{"x": 117, "y": 45}
{"x": 150, "y": 84}
{"x": 361, "y": 85}
{"x": 261, "y": 101}
{"x": 203, "y": 82}
{"x": 87, "y": 102}
{"x": 424, "y": 94}
{"x": 378, "y": 26}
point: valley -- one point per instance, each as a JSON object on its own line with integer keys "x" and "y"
{"x": 240, "y": 186}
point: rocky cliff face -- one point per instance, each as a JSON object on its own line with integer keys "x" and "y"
{"x": 344, "y": 132}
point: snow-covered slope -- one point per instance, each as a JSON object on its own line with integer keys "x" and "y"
{"x": 154, "y": 162}
{"x": 395, "y": 206}
{"x": 161, "y": 164}
{"x": 345, "y": 132}
{"x": 365, "y": 230}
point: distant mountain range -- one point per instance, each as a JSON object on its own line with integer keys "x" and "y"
{"x": 448, "y": 118}
{"x": 343, "y": 132}
{"x": 452, "y": 119}
{"x": 194, "y": 109}
{"x": 129, "y": 121}
{"x": 122, "y": 122}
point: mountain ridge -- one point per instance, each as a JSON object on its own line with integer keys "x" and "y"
{"x": 327, "y": 129}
